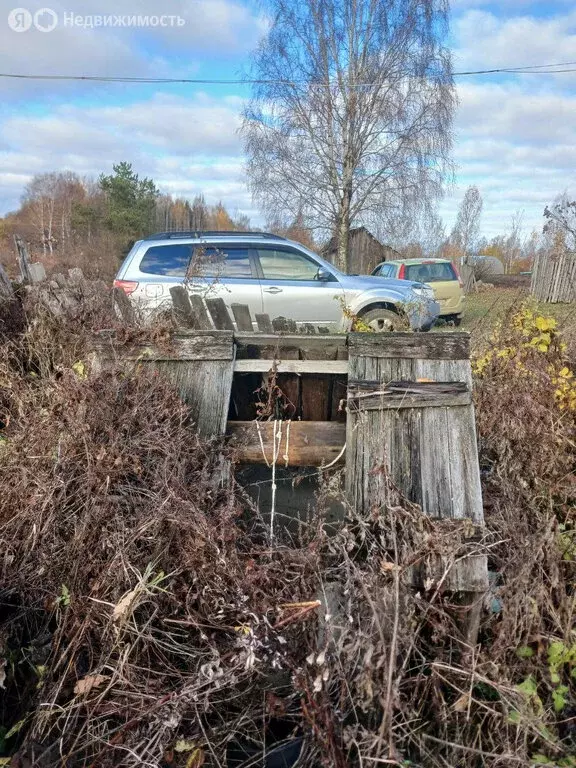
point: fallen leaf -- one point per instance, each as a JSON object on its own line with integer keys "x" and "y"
{"x": 87, "y": 683}
{"x": 122, "y": 608}
{"x": 184, "y": 745}
{"x": 196, "y": 759}
{"x": 462, "y": 702}
{"x": 79, "y": 369}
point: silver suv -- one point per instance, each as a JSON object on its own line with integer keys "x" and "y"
{"x": 271, "y": 275}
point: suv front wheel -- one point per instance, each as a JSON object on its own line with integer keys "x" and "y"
{"x": 382, "y": 320}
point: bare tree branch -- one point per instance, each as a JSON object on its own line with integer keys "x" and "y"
{"x": 353, "y": 112}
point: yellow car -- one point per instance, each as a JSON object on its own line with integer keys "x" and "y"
{"x": 442, "y": 276}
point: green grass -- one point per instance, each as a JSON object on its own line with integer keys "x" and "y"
{"x": 483, "y": 310}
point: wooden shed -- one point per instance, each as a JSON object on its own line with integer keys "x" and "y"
{"x": 364, "y": 253}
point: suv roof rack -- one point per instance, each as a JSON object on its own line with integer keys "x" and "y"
{"x": 202, "y": 235}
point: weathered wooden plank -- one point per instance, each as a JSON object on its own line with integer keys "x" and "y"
{"x": 242, "y": 317}
{"x": 289, "y": 384}
{"x": 123, "y": 305}
{"x": 199, "y": 345}
{"x": 6, "y": 290}
{"x": 338, "y": 398}
{"x": 200, "y": 364}
{"x": 310, "y": 346}
{"x": 302, "y": 443}
{"x": 427, "y": 453}
{"x": 395, "y": 400}
{"x": 339, "y": 390}
{"x": 291, "y": 366}
{"x": 219, "y": 314}
{"x": 201, "y": 319}
{"x": 316, "y": 397}
{"x": 369, "y": 396}
{"x": 434, "y": 453}
{"x": 423, "y": 346}
{"x": 23, "y": 259}
{"x": 182, "y": 308}
{"x": 316, "y": 390}
{"x": 284, "y": 325}
{"x": 205, "y": 387}
{"x": 264, "y": 323}
{"x": 463, "y": 457}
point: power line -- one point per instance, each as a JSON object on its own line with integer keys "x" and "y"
{"x": 534, "y": 69}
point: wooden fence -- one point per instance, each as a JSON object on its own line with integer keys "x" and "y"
{"x": 390, "y": 408}
{"x": 410, "y": 414}
{"x": 393, "y": 409}
{"x": 554, "y": 276}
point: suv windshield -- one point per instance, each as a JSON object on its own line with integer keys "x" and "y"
{"x": 431, "y": 273}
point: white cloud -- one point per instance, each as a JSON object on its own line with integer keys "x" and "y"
{"x": 515, "y": 137}
{"x": 486, "y": 41}
{"x": 517, "y": 146}
{"x": 507, "y": 7}
{"x": 187, "y": 145}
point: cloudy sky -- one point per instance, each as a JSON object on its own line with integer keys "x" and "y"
{"x": 515, "y": 135}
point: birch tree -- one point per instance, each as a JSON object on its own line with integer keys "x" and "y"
{"x": 352, "y": 113}
{"x": 467, "y": 228}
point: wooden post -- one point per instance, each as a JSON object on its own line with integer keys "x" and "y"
{"x": 242, "y": 316}
{"x": 182, "y": 307}
{"x": 23, "y": 259}
{"x": 124, "y": 306}
{"x": 284, "y": 325}
{"x": 264, "y": 323}
{"x": 201, "y": 319}
{"x": 6, "y": 290}
{"x": 410, "y": 414}
{"x": 219, "y": 314}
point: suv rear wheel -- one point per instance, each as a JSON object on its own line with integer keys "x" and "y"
{"x": 382, "y": 320}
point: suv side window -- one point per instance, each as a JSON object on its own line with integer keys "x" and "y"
{"x": 281, "y": 264}
{"x": 386, "y": 270}
{"x": 223, "y": 262}
{"x": 168, "y": 260}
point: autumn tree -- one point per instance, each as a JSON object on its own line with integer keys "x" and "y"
{"x": 467, "y": 227}
{"x": 352, "y": 113}
{"x": 560, "y": 218}
{"x": 47, "y": 210}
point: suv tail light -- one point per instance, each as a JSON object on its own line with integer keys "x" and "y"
{"x": 402, "y": 272}
{"x": 128, "y": 286}
{"x": 457, "y": 274}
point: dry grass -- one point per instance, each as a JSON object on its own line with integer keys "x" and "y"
{"x": 146, "y": 620}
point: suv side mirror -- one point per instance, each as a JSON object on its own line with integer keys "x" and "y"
{"x": 324, "y": 276}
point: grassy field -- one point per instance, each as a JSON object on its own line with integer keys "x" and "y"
{"x": 483, "y": 310}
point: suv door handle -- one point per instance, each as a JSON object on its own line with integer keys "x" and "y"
{"x": 273, "y": 289}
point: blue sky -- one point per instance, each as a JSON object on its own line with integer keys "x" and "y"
{"x": 515, "y": 136}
